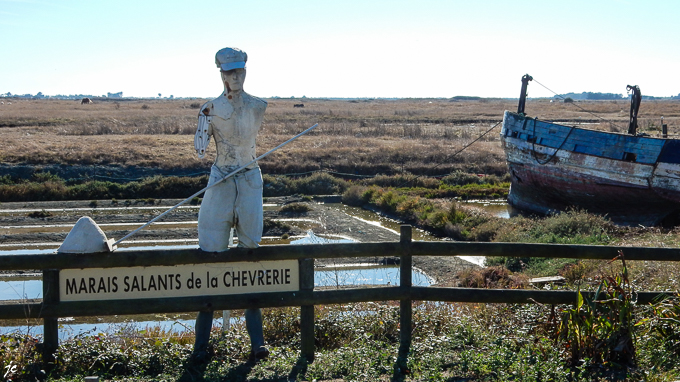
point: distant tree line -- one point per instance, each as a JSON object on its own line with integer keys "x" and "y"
{"x": 606, "y": 96}
{"x": 593, "y": 96}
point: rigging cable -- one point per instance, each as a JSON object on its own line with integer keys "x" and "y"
{"x": 579, "y": 107}
{"x": 448, "y": 157}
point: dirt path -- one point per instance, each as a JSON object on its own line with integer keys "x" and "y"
{"x": 50, "y": 222}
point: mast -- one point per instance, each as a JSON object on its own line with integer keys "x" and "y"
{"x": 635, "y": 99}
{"x": 523, "y": 96}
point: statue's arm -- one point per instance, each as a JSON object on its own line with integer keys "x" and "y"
{"x": 203, "y": 132}
{"x": 261, "y": 107}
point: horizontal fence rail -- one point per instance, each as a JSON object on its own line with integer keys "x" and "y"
{"x": 50, "y": 308}
{"x": 147, "y": 258}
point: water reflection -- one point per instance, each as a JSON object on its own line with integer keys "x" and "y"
{"x": 357, "y": 275}
{"x": 496, "y": 207}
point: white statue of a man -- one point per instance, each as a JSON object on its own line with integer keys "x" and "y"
{"x": 233, "y": 119}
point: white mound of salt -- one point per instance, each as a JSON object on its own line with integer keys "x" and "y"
{"x": 86, "y": 237}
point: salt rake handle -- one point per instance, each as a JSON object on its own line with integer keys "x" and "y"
{"x": 214, "y": 184}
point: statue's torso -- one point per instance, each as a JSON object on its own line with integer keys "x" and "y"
{"x": 234, "y": 126}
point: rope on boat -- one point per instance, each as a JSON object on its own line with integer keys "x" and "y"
{"x": 533, "y": 144}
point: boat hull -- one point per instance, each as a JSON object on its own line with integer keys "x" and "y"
{"x": 556, "y": 168}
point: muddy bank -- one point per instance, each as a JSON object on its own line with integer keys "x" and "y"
{"x": 115, "y": 173}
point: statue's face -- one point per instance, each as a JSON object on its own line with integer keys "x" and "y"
{"x": 233, "y": 79}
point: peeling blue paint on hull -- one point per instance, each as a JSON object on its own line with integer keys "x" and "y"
{"x": 630, "y": 179}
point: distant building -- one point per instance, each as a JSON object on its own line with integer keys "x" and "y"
{"x": 114, "y": 95}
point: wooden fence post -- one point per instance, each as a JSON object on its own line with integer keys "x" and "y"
{"x": 405, "y": 282}
{"x": 50, "y": 324}
{"x": 307, "y": 311}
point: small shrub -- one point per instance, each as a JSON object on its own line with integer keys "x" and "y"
{"x": 94, "y": 204}
{"x": 487, "y": 230}
{"x": 270, "y": 224}
{"x": 276, "y": 185}
{"x": 492, "y": 278}
{"x": 320, "y": 183}
{"x": 403, "y": 180}
{"x": 295, "y": 208}
{"x": 460, "y": 178}
{"x": 39, "y": 214}
{"x": 490, "y": 179}
{"x": 42, "y": 177}
{"x": 574, "y": 273}
{"x": 145, "y": 107}
{"x": 456, "y": 231}
{"x": 6, "y": 179}
{"x": 354, "y": 196}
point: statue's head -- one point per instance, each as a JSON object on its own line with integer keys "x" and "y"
{"x": 232, "y": 65}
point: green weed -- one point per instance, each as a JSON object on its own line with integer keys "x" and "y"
{"x": 598, "y": 330}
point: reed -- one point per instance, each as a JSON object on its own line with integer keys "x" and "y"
{"x": 360, "y": 137}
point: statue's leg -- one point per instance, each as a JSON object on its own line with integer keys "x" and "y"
{"x": 254, "y": 327}
{"x": 248, "y": 211}
{"x": 248, "y": 208}
{"x": 215, "y": 220}
{"x": 204, "y": 322}
{"x": 216, "y": 216}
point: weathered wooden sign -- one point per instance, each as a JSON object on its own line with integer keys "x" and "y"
{"x": 178, "y": 281}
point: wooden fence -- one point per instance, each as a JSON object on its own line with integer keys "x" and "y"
{"x": 50, "y": 308}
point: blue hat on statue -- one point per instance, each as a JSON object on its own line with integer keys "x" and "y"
{"x": 231, "y": 58}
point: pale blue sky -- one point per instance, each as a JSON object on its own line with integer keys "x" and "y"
{"x": 350, "y": 48}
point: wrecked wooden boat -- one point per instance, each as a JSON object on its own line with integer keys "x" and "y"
{"x": 630, "y": 178}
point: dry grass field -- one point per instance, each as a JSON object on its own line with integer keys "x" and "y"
{"x": 366, "y": 137}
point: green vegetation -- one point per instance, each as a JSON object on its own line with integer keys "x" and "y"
{"x": 424, "y": 208}
{"x": 599, "y": 329}
{"x": 529, "y": 342}
{"x": 46, "y": 186}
